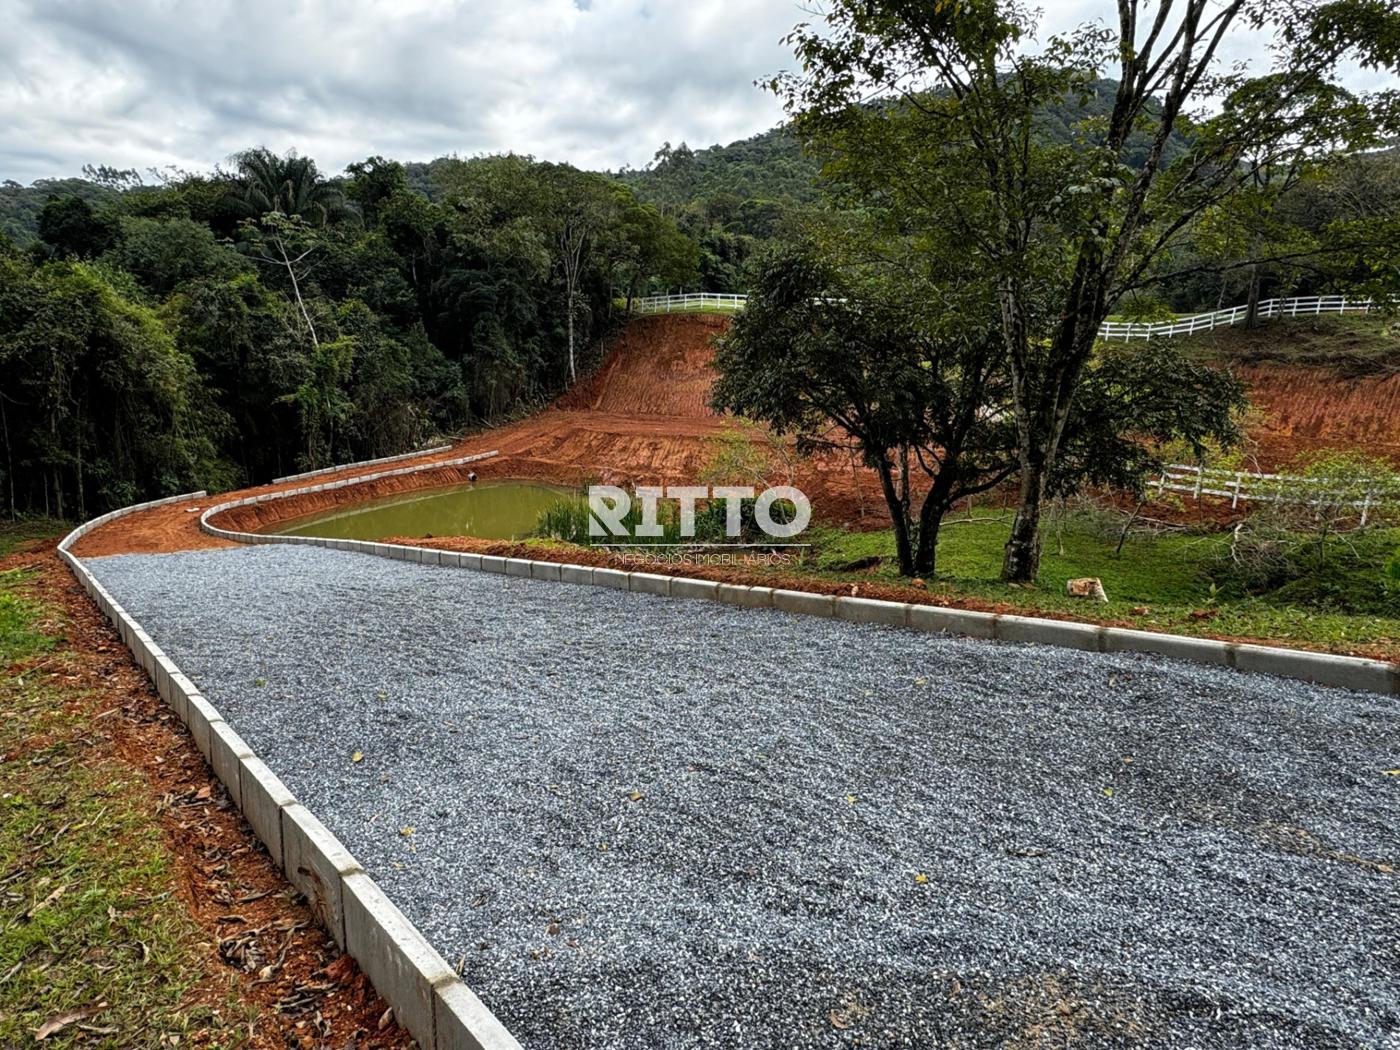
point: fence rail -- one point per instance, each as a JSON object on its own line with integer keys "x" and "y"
{"x": 1237, "y": 485}
{"x": 688, "y": 302}
{"x": 1301, "y": 306}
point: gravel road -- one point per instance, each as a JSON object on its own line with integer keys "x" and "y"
{"x": 651, "y": 823}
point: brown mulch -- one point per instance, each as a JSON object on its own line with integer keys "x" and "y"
{"x": 258, "y": 929}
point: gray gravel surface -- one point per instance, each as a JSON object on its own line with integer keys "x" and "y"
{"x": 650, "y": 823}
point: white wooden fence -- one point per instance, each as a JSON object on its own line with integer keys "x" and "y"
{"x": 688, "y": 302}
{"x": 1302, "y": 306}
{"x": 1236, "y": 485}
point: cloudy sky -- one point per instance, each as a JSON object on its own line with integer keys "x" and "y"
{"x": 600, "y": 83}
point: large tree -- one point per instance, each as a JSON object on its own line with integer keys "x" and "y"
{"x": 849, "y": 355}
{"x": 933, "y": 110}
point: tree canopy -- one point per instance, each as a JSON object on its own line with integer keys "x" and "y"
{"x": 212, "y": 330}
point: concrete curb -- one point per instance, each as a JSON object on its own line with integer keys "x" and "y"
{"x": 439, "y": 1011}
{"x": 1349, "y": 672}
{"x": 362, "y": 463}
{"x": 325, "y": 486}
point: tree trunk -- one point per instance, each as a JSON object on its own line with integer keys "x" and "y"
{"x": 1021, "y": 560}
{"x": 1251, "y": 314}
{"x": 573, "y": 375}
{"x": 898, "y": 516}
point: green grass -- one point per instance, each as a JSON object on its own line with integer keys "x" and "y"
{"x": 91, "y": 915}
{"x": 1173, "y": 575}
{"x": 1354, "y": 344}
{"x": 22, "y": 530}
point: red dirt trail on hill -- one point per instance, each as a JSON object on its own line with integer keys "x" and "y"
{"x": 644, "y": 418}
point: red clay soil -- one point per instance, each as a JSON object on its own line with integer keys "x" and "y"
{"x": 258, "y": 930}
{"x": 643, "y": 418}
{"x": 1305, "y": 408}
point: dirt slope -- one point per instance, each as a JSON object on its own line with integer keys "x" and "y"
{"x": 658, "y": 366}
{"x": 1303, "y": 408}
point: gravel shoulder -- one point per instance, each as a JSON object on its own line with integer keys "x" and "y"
{"x": 643, "y": 822}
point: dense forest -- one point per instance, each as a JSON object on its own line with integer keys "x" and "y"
{"x": 220, "y": 329}
{"x": 209, "y": 330}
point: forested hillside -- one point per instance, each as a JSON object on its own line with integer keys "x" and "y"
{"x": 224, "y": 329}
{"x": 215, "y": 329}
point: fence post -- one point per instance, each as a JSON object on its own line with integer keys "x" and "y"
{"x": 1239, "y": 483}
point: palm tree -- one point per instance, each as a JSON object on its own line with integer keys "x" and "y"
{"x": 290, "y": 185}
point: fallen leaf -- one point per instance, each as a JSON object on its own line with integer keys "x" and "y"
{"x": 1392, "y": 772}
{"x": 921, "y": 878}
{"x": 406, "y": 831}
{"x": 358, "y": 756}
{"x": 636, "y": 796}
{"x": 850, "y": 800}
{"x": 59, "y": 1022}
{"x": 1108, "y": 792}
{"x": 837, "y": 1020}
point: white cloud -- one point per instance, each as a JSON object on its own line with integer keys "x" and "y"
{"x": 600, "y": 83}
{"x": 151, "y": 82}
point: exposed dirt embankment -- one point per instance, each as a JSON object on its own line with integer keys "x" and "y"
{"x": 659, "y": 366}
{"x": 1303, "y": 408}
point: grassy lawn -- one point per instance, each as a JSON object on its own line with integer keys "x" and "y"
{"x": 1171, "y": 576}
{"x": 96, "y": 944}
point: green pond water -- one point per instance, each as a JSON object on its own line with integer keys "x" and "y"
{"x": 489, "y": 510}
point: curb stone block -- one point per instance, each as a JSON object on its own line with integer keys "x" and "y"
{"x": 400, "y": 552}
{"x": 683, "y": 587}
{"x": 431, "y": 556}
{"x": 649, "y": 583}
{"x": 545, "y": 570}
{"x": 263, "y": 797}
{"x": 1375, "y": 676}
{"x": 491, "y": 563}
{"x": 228, "y": 749}
{"x": 1061, "y": 633}
{"x": 1197, "y": 650}
{"x": 745, "y": 597}
{"x": 804, "y": 603}
{"x": 872, "y": 610}
{"x": 575, "y": 574}
{"x": 614, "y": 578}
{"x": 464, "y": 1023}
{"x": 936, "y": 619}
{"x": 470, "y": 561}
{"x": 519, "y": 567}
{"x": 317, "y": 864}
{"x": 202, "y": 718}
{"x": 180, "y": 690}
{"x": 401, "y": 965}
{"x": 450, "y": 559}
{"x": 163, "y": 670}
